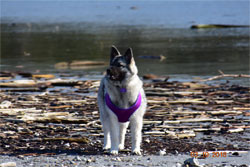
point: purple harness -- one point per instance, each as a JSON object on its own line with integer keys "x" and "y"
{"x": 123, "y": 115}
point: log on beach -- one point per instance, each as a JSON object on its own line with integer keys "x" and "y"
{"x": 200, "y": 26}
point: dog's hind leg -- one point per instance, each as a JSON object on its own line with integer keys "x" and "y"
{"x": 123, "y": 129}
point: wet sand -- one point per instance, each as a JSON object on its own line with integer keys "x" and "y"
{"x": 124, "y": 160}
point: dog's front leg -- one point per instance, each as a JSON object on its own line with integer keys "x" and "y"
{"x": 114, "y": 129}
{"x": 123, "y": 129}
{"x": 106, "y": 130}
{"x": 136, "y": 128}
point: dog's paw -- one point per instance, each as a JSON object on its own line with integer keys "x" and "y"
{"x": 106, "y": 147}
{"x": 121, "y": 146}
{"x": 114, "y": 152}
{"x": 136, "y": 152}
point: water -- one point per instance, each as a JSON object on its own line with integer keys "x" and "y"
{"x": 171, "y": 14}
{"x": 57, "y": 31}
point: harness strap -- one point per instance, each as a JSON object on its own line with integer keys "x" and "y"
{"x": 122, "y": 114}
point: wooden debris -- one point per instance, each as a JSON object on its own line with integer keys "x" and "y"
{"x": 150, "y": 76}
{"x": 222, "y": 112}
{"x": 188, "y": 101}
{"x": 87, "y": 63}
{"x": 235, "y": 130}
{"x": 5, "y": 104}
{"x": 46, "y": 76}
{"x": 201, "y": 120}
{"x": 154, "y": 133}
{"x": 224, "y": 101}
{"x": 5, "y": 78}
{"x": 79, "y": 64}
{"x": 199, "y": 26}
{"x": 156, "y": 102}
{"x": 60, "y": 107}
{"x": 19, "y": 111}
{"x": 223, "y": 75}
{"x": 206, "y": 129}
{"x": 43, "y": 112}
{"x": 187, "y": 112}
{"x": 72, "y": 101}
{"x": 61, "y": 82}
{"x": 21, "y": 89}
{"x": 185, "y": 134}
{"x": 152, "y": 122}
{"x": 61, "y": 65}
{"x": 53, "y": 117}
{"x": 194, "y": 85}
{"x": 80, "y": 140}
{"x": 241, "y": 108}
{"x": 75, "y": 65}
{"x": 169, "y": 93}
{"x": 19, "y": 83}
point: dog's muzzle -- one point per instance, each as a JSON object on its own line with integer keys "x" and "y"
{"x": 115, "y": 74}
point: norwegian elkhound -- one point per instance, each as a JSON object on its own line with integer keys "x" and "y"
{"x": 121, "y": 100}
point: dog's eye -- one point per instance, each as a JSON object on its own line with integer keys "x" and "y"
{"x": 121, "y": 65}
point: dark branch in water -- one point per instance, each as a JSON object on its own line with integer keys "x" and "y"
{"x": 198, "y": 26}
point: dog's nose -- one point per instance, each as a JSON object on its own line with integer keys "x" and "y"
{"x": 108, "y": 71}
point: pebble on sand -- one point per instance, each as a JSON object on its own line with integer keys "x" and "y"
{"x": 8, "y": 164}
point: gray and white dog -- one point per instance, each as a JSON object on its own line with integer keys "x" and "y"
{"x": 121, "y": 100}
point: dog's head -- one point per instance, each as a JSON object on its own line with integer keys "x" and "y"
{"x": 122, "y": 67}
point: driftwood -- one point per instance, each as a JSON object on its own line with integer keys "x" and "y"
{"x": 42, "y": 84}
{"x": 188, "y": 101}
{"x": 235, "y": 130}
{"x": 19, "y": 84}
{"x": 46, "y": 76}
{"x": 222, "y": 112}
{"x": 199, "y": 26}
{"x": 185, "y": 135}
{"x": 19, "y": 111}
{"x": 224, "y": 101}
{"x": 206, "y": 129}
{"x": 201, "y": 120}
{"x": 223, "y": 75}
{"x": 80, "y": 64}
{"x": 87, "y": 63}
{"x": 81, "y": 140}
{"x": 5, "y": 78}
{"x": 181, "y": 135}
{"x": 241, "y": 108}
{"x": 169, "y": 93}
{"x": 5, "y": 104}
{"x": 22, "y": 89}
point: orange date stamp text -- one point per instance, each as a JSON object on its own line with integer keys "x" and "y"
{"x": 215, "y": 154}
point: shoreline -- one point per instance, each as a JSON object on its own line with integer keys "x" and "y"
{"x": 122, "y": 160}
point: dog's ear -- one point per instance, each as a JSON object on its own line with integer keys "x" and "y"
{"x": 129, "y": 56}
{"x": 113, "y": 53}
